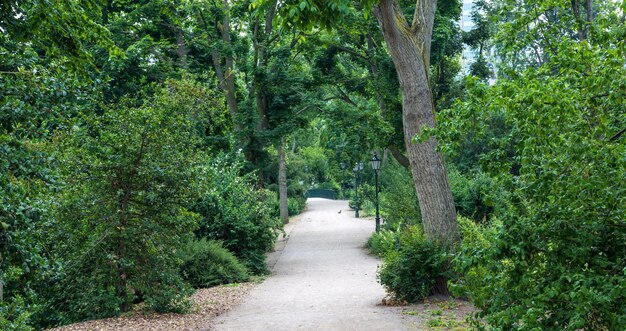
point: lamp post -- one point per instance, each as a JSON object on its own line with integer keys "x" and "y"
{"x": 356, "y": 190}
{"x": 376, "y": 166}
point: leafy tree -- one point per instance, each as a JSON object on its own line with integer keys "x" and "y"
{"x": 44, "y": 54}
{"x": 559, "y": 255}
{"x": 235, "y": 213}
{"x": 129, "y": 176}
{"x": 409, "y": 44}
{"x": 478, "y": 39}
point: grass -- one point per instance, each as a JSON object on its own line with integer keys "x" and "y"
{"x": 447, "y": 315}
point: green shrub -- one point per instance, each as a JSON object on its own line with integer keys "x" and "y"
{"x": 398, "y": 201}
{"x": 237, "y": 214}
{"x": 366, "y": 199}
{"x": 15, "y": 315}
{"x": 130, "y": 174}
{"x": 383, "y": 242}
{"x": 472, "y": 276}
{"x": 558, "y": 262}
{"x": 207, "y": 263}
{"x": 471, "y": 194}
{"x": 295, "y": 205}
{"x": 416, "y": 269}
{"x": 296, "y": 191}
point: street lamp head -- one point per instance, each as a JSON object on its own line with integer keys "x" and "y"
{"x": 360, "y": 165}
{"x": 376, "y": 163}
{"x": 356, "y": 168}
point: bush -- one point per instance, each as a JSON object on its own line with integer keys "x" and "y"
{"x": 366, "y": 199}
{"x": 15, "y": 315}
{"x": 237, "y": 214}
{"x": 130, "y": 174}
{"x": 558, "y": 261}
{"x": 471, "y": 194}
{"x": 383, "y": 242}
{"x": 471, "y": 275}
{"x": 416, "y": 269}
{"x": 207, "y": 263}
{"x": 296, "y": 205}
{"x": 398, "y": 201}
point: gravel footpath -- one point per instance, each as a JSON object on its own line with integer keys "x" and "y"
{"x": 324, "y": 279}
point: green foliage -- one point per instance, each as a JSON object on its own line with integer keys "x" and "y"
{"x": 296, "y": 205}
{"x": 398, "y": 201}
{"x": 62, "y": 29}
{"x": 472, "y": 194}
{"x": 366, "y": 196}
{"x": 558, "y": 259}
{"x": 236, "y": 214}
{"x": 307, "y": 14}
{"x": 15, "y": 315}
{"x": 474, "y": 277}
{"x": 207, "y": 263}
{"x": 478, "y": 38}
{"x": 383, "y": 242}
{"x": 129, "y": 176}
{"x": 412, "y": 271}
{"x": 37, "y": 97}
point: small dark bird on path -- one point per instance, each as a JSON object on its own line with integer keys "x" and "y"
{"x": 339, "y": 212}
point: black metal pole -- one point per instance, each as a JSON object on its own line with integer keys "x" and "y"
{"x": 356, "y": 193}
{"x": 377, "y": 214}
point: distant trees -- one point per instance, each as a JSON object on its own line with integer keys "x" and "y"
{"x": 408, "y": 39}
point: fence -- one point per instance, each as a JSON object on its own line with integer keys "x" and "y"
{"x": 322, "y": 193}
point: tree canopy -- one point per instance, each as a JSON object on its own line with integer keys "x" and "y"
{"x": 150, "y": 147}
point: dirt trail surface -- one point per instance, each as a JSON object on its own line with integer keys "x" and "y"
{"x": 323, "y": 279}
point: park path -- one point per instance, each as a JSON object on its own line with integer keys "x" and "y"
{"x": 323, "y": 279}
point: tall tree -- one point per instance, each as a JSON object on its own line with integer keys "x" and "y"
{"x": 409, "y": 42}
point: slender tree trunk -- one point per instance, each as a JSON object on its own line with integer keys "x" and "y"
{"x": 409, "y": 46}
{"x": 181, "y": 50}
{"x": 224, "y": 63}
{"x": 282, "y": 183}
{"x": 579, "y": 20}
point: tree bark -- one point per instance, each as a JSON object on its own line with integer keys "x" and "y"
{"x": 260, "y": 41}
{"x": 223, "y": 63}
{"x": 579, "y": 21}
{"x": 282, "y": 183}
{"x": 181, "y": 49}
{"x": 409, "y": 46}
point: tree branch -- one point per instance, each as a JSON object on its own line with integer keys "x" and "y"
{"x": 397, "y": 154}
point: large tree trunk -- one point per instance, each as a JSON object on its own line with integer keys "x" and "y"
{"x": 282, "y": 183}
{"x": 409, "y": 46}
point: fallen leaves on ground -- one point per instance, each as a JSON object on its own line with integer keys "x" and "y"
{"x": 439, "y": 314}
{"x": 208, "y": 303}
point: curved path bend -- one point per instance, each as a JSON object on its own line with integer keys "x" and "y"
{"x": 323, "y": 279}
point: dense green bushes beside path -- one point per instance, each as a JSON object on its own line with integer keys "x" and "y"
{"x": 237, "y": 214}
{"x": 135, "y": 197}
{"x": 207, "y": 263}
{"x": 550, "y": 253}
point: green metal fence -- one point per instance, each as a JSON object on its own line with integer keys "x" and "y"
{"x": 322, "y": 193}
